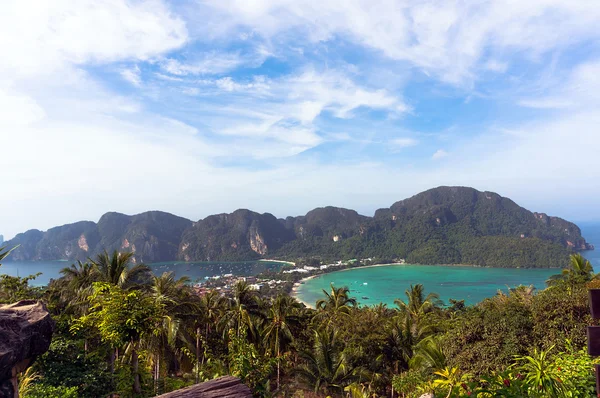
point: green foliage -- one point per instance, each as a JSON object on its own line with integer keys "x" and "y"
{"x": 145, "y": 336}
{"x": 408, "y": 383}
{"x": 120, "y": 316}
{"x": 67, "y": 364}
{"x": 14, "y": 288}
{"x": 246, "y": 363}
{"x": 48, "y": 391}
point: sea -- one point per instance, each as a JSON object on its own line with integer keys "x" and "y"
{"x": 369, "y": 286}
{"x": 384, "y": 284}
{"x": 198, "y": 272}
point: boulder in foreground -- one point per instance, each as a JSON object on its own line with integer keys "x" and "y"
{"x": 25, "y": 333}
{"x": 225, "y": 387}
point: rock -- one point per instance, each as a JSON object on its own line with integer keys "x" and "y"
{"x": 428, "y": 395}
{"x": 225, "y": 387}
{"x": 25, "y": 333}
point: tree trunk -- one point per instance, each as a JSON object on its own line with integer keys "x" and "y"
{"x": 278, "y": 366}
{"x": 197, "y": 354}
{"x": 135, "y": 364}
{"x": 112, "y": 361}
{"x": 156, "y": 373}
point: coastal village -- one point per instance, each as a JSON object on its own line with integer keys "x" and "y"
{"x": 284, "y": 280}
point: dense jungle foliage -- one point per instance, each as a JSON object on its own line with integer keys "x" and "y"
{"x": 122, "y": 331}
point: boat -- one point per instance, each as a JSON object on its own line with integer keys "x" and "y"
{"x": 364, "y": 297}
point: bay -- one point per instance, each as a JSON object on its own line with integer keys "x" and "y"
{"x": 384, "y": 284}
{"x": 196, "y": 271}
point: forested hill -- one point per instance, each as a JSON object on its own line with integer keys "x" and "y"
{"x": 444, "y": 225}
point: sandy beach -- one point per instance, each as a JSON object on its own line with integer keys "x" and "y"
{"x": 297, "y": 284}
{"x": 278, "y": 261}
{"x": 294, "y": 293}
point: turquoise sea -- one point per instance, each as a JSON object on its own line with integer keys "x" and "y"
{"x": 384, "y": 284}
{"x": 196, "y": 271}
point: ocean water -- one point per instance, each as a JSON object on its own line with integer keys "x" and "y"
{"x": 196, "y": 271}
{"x": 384, "y": 284}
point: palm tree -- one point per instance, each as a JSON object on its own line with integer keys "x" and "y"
{"x": 174, "y": 296}
{"x": 398, "y": 345}
{"x": 4, "y": 252}
{"x": 80, "y": 275}
{"x": 417, "y": 303}
{"x": 277, "y": 333}
{"x": 327, "y": 366}
{"x": 416, "y": 307}
{"x": 336, "y": 304}
{"x": 242, "y": 309}
{"x": 116, "y": 269}
{"x": 428, "y": 355}
{"x": 580, "y": 270}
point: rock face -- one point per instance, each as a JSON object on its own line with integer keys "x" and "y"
{"x": 25, "y": 333}
{"x": 444, "y": 225}
{"x": 241, "y": 235}
{"x": 222, "y": 387}
{"x": 153, "y": 236}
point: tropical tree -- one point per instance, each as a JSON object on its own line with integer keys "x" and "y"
{"x": 117, "y": 269}
{"x": 212, "y": 307}
{"x": 428, "y": 355}
{"x": 417, "y": 304}
{"x": 580, "y": 270}
{"x": 79, "y": 275}
{"x": 282, "y": 315}
{"x": 123, "y": 318}
{"x": 327, "y": 366}
{"x": 4, "y": 252}
{"x": 337, "y": 303}
{"x": 177, "y": 303}
{"x": 243, "y": 308}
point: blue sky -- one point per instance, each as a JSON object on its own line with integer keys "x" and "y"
{"x": 199, "y": 107}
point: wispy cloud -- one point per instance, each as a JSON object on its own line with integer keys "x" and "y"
{"x": 439, "y": 154}
{"x": 132, "y": 75}
{"x": 296, "y": 95}
{"x": 403, "y": 142}
{"x": 209, "y": 64}
{"x": 43, "y": 36}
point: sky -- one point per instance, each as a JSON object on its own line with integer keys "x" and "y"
{"x": 200, "y": 107}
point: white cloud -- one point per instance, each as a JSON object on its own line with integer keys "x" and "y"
{"x": 72, "y": 136}
{"x": 496, "y": 66}
{"x": 212, "y": 63}
{"x": 285, "y": 110}
{"x": 447, "y": 38}
{"x": 41, "y": 37}
{"x": 404, "y": 142}
{"x": 132, "y": 75}
{"x": 439, "y": 154}
{"x": 579, "y": 90}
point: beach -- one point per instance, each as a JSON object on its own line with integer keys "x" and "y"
{"x": 303, "y": 280}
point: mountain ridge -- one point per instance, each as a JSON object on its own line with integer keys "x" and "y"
{"x": 443, "y": 225}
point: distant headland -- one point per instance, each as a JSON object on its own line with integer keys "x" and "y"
{"x": 444, "y": 225}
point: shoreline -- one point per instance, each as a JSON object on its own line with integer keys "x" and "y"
{"x": 295, "y": 294}
{"x": 277, "y": 261}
